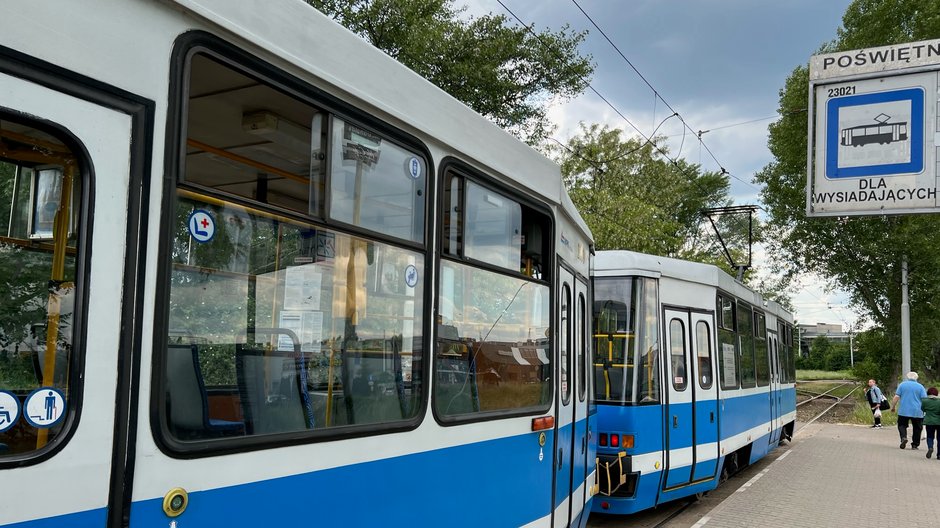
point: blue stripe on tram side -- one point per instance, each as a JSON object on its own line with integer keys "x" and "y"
{"x": 494, "y": 483}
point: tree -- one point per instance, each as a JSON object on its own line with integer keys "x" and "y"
{"x": 633, "y": 197}
{"x": 508, "y": 74}
{"x": 859, "y": 254}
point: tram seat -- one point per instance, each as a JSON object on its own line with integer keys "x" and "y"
{"x": 273, "y": 396}
{"x": 188, "y": 399}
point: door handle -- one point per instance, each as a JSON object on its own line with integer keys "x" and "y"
{"x": 711, "y": 417}
{"x": 675, "y": 421}
{"x": 583, "y": 444}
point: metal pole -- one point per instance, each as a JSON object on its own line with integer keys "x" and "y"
{"x": 905, "y": 321}
{"x": 851, "y": 352}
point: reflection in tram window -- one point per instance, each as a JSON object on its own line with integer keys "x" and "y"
{"x": 277, "y": 326}
{"x": 493, "y": 343}
{"x": 40, "y": 190}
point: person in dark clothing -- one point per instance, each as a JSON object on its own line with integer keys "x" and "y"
{"x": 931, "y": 407}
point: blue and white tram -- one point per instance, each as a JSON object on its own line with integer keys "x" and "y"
{"x": 257, "y": 273}
{"x": 694, "y": 376}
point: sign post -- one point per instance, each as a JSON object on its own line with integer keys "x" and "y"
{"x": 873, "y": 137}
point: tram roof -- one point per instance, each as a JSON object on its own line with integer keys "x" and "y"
{"x": 372, "y": 76}
{"x": 622, "y": 262}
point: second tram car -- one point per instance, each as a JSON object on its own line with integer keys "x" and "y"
{"x": 694, "y": 375}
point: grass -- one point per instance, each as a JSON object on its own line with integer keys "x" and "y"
{"x": 809, "y": 375}
{"x": 862, "y": 415}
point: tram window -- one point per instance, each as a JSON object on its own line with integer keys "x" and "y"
{"x": 746, "y": 346}
{"x": 626, "y": 348}
{"x": 782, "y": 351}
{"x": 375, "y": 183}
{"x": 703, "y": 349}
{"x": 564, "y": 343}
{"x": 582, "y": 323}
{"x": 762, "y": 360}
{"x": 40, "y": 205}
{"x": 726, "y": 313}
{"x": 493, "y": 232}
{"x": 280, "y": 326}
{"x": 247, "y": 138}
{"x": 490, "y": 227}
{"x": 493, "y": 351}
{"x": 677, "y": 355}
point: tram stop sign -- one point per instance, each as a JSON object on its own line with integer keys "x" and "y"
{"x": 874, "y": 131}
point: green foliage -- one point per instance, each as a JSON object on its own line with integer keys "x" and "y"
{"x": 809, "y": 375}
{"x": 826, "y": 355}
{"x": 16, "y": 372}
{"x": 632, "y": 197}
{"x": 507, "y": 73}
{"x": 859, "y": 254}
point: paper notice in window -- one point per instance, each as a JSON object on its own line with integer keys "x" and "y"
{"x": 307, "y": 326}
{"x": 302, "y": 288}
{"x": 727, "y": 351}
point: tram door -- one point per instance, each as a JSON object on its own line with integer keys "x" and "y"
{"x": 566, "y": 401}
{"x": 57, "y": 419}
{"x": 580, "y": 488}
{"x": 680, "y": 417}
{"x": 705, "y": 391}
{"x": 773, "y": 346}
{"x": 692, "y": 406}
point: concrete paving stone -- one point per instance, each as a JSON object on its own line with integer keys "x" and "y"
{"x": 838, "y": 476}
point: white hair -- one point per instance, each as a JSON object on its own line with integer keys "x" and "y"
{"x": 912, "y": 375}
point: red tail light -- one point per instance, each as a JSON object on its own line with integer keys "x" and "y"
{"x": 603, "y": 439}
{"x": 614, "y": 440}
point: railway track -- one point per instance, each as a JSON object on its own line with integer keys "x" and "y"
{"x": 819, "y": 405}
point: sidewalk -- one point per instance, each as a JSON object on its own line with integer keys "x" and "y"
{"x": 838, "y": 476}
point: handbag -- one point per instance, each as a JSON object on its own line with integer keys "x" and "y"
{"x": 877, "y": 413}
{"x": 884, "y": 405}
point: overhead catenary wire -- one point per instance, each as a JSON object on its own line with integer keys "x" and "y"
{"x": 656, "y": 93}
{"x": 624, "y": 117}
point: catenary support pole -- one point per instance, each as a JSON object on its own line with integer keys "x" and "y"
{"x": 905, "y": 322}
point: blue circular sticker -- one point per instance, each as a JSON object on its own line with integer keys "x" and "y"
{"x": 413, "y": 167}
{"x": 201, "y": 225}
{"x": 9, "y": 410}
{"x": 411, "y": 276}
{"x": 44, "y": 407}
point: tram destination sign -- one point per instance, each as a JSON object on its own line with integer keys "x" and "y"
{"x": 874, "y": 131}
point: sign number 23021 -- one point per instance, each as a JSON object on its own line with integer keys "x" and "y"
{"x": 841, "y": 90}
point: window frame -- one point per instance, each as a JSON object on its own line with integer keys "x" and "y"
{"x": 708, "y": 357}
{"x": 684, "y": 355}
{"x": 454, "y": 167}
{"x": 582, "y": 325}
{"x": 723, "y": 330}
{"x": 83, "y": 231}
{"x": 199, "y": 42}
{"x": 746, "y": 310}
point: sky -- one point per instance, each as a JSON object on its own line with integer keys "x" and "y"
{"x": 719, "y": 63}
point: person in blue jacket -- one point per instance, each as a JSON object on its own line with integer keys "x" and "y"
{"x": 874, "y": 396}
{"x": 910, "y": 393}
